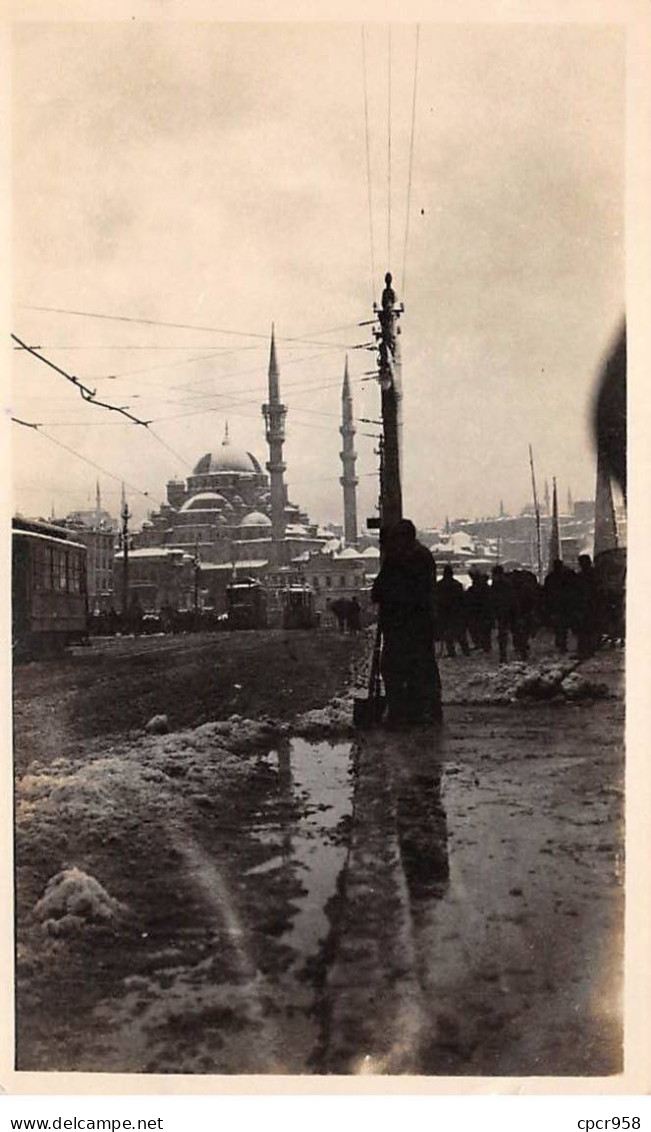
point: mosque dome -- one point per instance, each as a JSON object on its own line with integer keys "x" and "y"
{"x": 228, "y": 458}
{"x": 255, "y": 519}
{"x": 204, "y": 501}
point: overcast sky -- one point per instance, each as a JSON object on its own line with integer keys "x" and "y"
{"x": 215, "y": 176}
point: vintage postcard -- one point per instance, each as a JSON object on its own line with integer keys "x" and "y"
{"x": 323, "y": 625}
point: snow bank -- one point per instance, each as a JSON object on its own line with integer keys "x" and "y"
{"x": 336, "y": 718}
{"x": 520, "y": 681}
{"x": 72, "y": 900}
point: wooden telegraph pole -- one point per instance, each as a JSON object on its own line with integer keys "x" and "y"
{"x": 125, "y": 515}
{"x": 390, "y": 378}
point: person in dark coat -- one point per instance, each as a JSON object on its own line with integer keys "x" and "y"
{"x": 559, "y": 596}
{"x": 451, "y": 612}
{"x": 405, "y": 592}
{"x": 339, "y": 610}
{"x": 354, "y": 615}
{"x": 478, "y": 611}
{"x": 587, "y": 608}
{"x": 502, "y": 608}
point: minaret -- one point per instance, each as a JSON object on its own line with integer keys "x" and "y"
{"x": 570, "y": 503}
{"x": 274, "y": 415}
{"x": 98, "y": 505}
{"x": 348, "y": 456}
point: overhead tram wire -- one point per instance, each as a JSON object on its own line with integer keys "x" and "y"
{"x": 98, "y": 467}
{"x": 411, "y": 163}
{"x": 86, "y": 393}
{"x": 194, "y": 326}
{"x": 226, "y": 407}
{"x": 89, "y": 396}
{"x": 389, "y": 151}
{"x": 368, "y": 169}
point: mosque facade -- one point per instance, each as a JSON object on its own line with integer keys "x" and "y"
{"x": 230, "y": 518}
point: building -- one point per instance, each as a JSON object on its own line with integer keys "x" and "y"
{"x": 96, "y": 529}
{"x": 337, "y": 574}
{"x": 231, "y": 516}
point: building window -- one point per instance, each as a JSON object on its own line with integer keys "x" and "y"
{"x": 316, "y": 582}
{"x": 342, "y": 581}
{"x": 328, "y": 581}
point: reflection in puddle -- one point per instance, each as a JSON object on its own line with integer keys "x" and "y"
{"x": 317, "y": 776}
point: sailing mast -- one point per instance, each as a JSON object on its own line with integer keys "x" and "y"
{"x": 537, "y": 513}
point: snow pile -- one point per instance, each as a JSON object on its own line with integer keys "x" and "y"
{"x": 576, "y": 687}
{"x": 336, "y": 718}
{"x": 72, "y": 900}
{"x": 520, "y": 681}
{"x": 158, "y": 725}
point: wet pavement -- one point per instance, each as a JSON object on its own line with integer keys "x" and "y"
{"x": 448, "y": 901}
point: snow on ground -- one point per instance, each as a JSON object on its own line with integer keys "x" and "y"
{"x": 518, "y": 680}
{"x": 73, "y": 899}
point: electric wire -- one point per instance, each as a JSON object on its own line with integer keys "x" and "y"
{"x": 85, "y": 459}
{"x": 191, "y": 326}
{"x": 86, "y": 393}
{"x": 368, "y": 169}
{"x": 389, "y": 151}
{"x": 411, "y": 162}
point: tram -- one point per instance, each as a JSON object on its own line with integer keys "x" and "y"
{"x": 298, "y": 607}
{"x": 247, "y": 604}
{"x": 49, "y": 592}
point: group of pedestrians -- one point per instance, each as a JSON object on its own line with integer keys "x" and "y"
{"x": 508, "y": 603}
{"x": 416, "y": 610}
{"x": 347, "y": 612}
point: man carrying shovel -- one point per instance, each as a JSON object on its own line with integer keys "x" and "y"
{"x": 405, "y": 590}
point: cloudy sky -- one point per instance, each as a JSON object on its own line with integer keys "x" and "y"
{"x": 214, "y": 177}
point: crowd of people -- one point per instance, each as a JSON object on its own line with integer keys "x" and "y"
{"x": 416, "y": 610}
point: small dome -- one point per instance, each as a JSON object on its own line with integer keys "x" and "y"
{"x": 349, "y": 552}
{"x": 255, "y": 519}
{"x": 204, "y": 501}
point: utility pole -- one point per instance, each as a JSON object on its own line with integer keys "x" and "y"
{"x": 390, "y": 378}
{"x": 125, "y": 515}
{"x": 537, "y": 514}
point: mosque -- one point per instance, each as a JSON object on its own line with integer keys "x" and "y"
{"x": 232, "y": 517}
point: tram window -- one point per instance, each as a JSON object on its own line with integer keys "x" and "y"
{"x": 48, "y": 568}
{"x": 74, "y": 580}
{"x": 39, "y": 569}
{"x": 63, "y": 571}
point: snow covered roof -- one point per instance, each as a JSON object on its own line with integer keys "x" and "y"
{"x": 349, "y": 552}
{"x": 255, "y": 519}
{"x": 153, "y": 552}
{"x": 241, "y": 564}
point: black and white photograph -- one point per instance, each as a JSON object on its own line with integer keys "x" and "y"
{"x": 318, "y": 417}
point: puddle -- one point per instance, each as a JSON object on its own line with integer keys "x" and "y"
{"x": 318, "y": 776}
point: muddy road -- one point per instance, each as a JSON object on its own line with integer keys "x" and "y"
{"x": 264, "y": 891}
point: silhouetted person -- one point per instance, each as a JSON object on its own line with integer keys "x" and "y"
{"x": 339, "y": 610}
{"x": 354, "y": 616}
{"x": 559, "y": 593}
{"x": 405, "y": 592}
{"x": 451, "y": 612}
{"x": 502, "y": 608}
{"x": 135, "y": 615}
{"x": 478, "y": 611}
{"x": 587, "y": 608}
